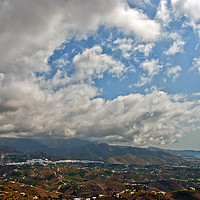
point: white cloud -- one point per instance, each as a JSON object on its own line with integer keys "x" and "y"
{"x": 92, "y": 63}
{"x": 150, "y": 68}
{"x": 148, "y": 119}
{"x": 128, "y": 47}
{"x": 136, "y": 22}
{"x": 196, "y": 94}
{"x": 2, "y": 77}
{"x": 188, "y": 8}
{"x": 163, "y": 13}
{"x": 30, "y": 31}
{"x": 30, "y": 109}
{"x": 174, "y": 72}
{"x": 143, "y": 119}
{"x": 61, "y": 62}
{"x": 145, "y": 48}
{"x": 196, "y": 64}
{"x": 191, "y": 10}
{"x": 177, "y": 47}
{"x": 175, "y": 36}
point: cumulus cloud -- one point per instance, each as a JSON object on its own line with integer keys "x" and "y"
{"x": 128, "y": 47}
{"x": 177, "y": 46}
{"x": 32, "y": 30}
{"x": 73, "y": 111}
{"x": 196, "y": 94}
{"x": 188, "y": 8}
{"x": 140, "y": 118}
{"x": 163, "y": 13}
{"x": 92, "y": 63}
{"x": 150, "y": 68}
{"x": 196, "y": 64}
{"x": 134, "y": 21}
{"x": 174, "y": 72}
{"x": 29, "y": 34}
{"x": 67, "y": 105}
{"x": 153, "y": 118}
{"x": 29, "y": 109}
{"x": 145, "y": 48}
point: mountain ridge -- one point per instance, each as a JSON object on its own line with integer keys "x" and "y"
{"x": 87, "y": 150}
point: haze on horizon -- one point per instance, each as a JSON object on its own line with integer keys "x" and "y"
{"x": 115, "y": 71}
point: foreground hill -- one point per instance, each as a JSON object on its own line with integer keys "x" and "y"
{"x": 86, "y": 150}
{"x": 71, "y": 181}
{"x": 120, "y": 154}
{"x": 144, "y": 159}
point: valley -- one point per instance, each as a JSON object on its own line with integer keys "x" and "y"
{"x": 109, "y": 172}
{"x": 98, "y": 181}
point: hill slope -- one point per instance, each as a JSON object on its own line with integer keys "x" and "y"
{"x": 82, "y": 149}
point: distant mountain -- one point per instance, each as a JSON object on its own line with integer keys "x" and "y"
{"x": 22, "y": 144}
{"x": 8, "y": 149}
{"x": 182, "y": 153}
{"x": 122, "y": 154}
{"x": 53, "y": 145}
{"x": 185, "y": 153}
{"x": 63, "y": 144}
{"x": 82, "y": 149}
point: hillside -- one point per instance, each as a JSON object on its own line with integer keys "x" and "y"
{"x": 142, "y": 160}
{"x": 86, "y": 150}
{"x": 23, "y": 144}
{"x": 80, "y": 181}
{"x": 8, "y": 149}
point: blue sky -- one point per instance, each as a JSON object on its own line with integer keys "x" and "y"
{"x": 118, "y": 71}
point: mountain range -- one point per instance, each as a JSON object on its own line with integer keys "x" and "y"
{"x": 87, "y": 150}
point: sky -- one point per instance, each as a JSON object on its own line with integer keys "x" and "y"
{"x": 123, "y": 72}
